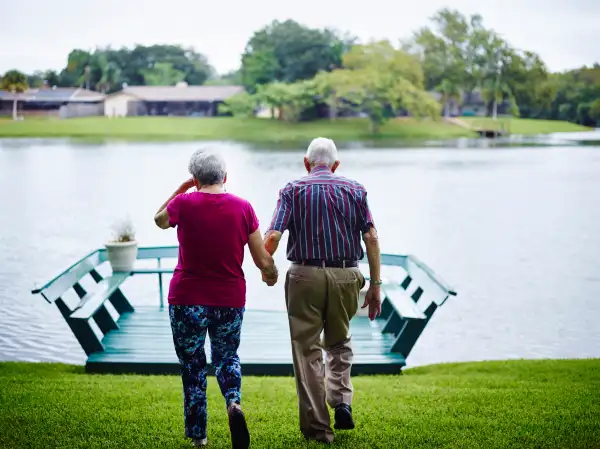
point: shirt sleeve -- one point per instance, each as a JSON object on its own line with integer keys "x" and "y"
{"x": 251, "y": 219}
{"x": 283, "y": 210}
{"x": 365, "y": 216}
{"x": 174, "y": 210}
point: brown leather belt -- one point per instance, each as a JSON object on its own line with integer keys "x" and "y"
{"x": 329, "y": 263}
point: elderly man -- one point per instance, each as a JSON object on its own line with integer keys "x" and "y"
{"x": 326, "y": 216}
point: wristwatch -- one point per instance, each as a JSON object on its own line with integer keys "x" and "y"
{"x": 376, "y": 282}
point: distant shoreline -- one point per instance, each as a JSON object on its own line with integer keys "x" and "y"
{"x": 256, "y": 130}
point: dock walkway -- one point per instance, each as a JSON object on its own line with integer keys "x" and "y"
{"x": 144, "y": 344}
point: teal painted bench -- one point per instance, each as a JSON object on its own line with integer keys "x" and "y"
{"x": 411, "y": 292}
{"x": 92, "y": 305}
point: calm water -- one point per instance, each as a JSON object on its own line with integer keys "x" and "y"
{"x": 515, "y": 230}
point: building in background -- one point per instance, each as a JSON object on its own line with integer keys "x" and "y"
{"x": 62, "y": 102}
{"x": 179, "y": 100}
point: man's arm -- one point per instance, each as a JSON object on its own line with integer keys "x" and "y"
{"x": 373, "y": 254}
{"x": 369, "y": 234}
{"x": 279, "y": 223}
{"x": 161, "y": 218}
{"x": 271, "y": 242}
{"x": 262, "y": 259}
{"x": 373, "y": 296}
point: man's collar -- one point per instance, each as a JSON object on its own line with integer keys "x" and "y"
{"x": 320, "y": 169}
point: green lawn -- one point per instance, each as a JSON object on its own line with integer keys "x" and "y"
{"x": 542, "y": 404}
{"x": 524, "y": 126}
{"x": 224, "y": 128}
{"x": 262, "y": 130}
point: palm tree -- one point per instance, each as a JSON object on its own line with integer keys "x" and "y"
{"x": 495, "y": 89}
{"x": 111, "y": 73}
{"x": 15, "y": 82}
{"x": 450, "y": 93}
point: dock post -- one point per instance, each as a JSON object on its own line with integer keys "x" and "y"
{"x": 160, "y": 286}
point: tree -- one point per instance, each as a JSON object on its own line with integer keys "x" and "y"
{"x": 380, "y": 81}
{"x": 51, "y": 78}
{"x": 594, "y": 111}
{"x": 36, "y": 79}
{"x": 447, "y": 51}
{"x": 233, "y": 78}
{"x": 289, "y": 52}
{"x": 242, "y": 104}
{"x": 327, "y": 85}
{"x": 15, "y": 82}
{"x": 163, "y": 74}
{"x": 450, "y": 93}
{"x": 107, "y": 69}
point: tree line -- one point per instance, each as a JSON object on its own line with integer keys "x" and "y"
{"x": 286, "y": 66}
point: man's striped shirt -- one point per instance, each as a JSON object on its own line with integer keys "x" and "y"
{"x": 326, "y": 216}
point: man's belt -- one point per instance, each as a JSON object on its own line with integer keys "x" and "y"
{"x": 329, "y": 263}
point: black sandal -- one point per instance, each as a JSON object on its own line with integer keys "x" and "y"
{"x": 240, "y": 437}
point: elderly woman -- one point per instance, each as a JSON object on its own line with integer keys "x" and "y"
{"x": 208, "y": 289}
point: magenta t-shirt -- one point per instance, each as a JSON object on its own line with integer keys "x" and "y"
{"x": 212, "y": 230}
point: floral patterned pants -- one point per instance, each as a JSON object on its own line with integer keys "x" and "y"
{"x": 190, "y": 325}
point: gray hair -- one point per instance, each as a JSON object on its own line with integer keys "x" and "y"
{"x": 322, "y": 151}
{"x": 207, "y": 167}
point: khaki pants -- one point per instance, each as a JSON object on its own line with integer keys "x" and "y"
{"x": 321, "y": 300}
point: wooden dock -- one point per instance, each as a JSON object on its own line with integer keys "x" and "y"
{"x": 119, "y": 338}
{"x": 144, "y": 344}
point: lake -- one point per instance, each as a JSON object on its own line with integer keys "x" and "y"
{"x": 516, "y": 230}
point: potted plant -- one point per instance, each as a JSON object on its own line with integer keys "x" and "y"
{"x": 123, "y": 248}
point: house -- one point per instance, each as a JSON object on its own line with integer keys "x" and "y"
{"x": 63, "y": 102}
{"x": 471, "y": 104}
{"x": 179, "y": 100}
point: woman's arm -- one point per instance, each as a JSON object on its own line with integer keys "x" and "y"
{"x": 262, "y": 259}
{"x": 161, "y": 218}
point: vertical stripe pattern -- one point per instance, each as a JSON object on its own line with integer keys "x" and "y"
{"x": 325, "y": 215}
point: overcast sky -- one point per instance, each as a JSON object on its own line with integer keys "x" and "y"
{"x": 39, "y": 34}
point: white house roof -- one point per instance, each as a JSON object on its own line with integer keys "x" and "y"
{"x": 182, "y": 93}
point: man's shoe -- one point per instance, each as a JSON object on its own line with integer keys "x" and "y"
{"x": 200, "y": 442}
{"x": 343, "y": 417}
{"x": 240, "y": 437}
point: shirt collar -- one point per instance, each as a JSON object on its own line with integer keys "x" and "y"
{"x": 320, "y": 169}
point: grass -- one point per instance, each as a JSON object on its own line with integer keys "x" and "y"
{"x": 225, "y": 128}
{"x": 549, "y": 404}
{"x": 524, "y": 126}
{"x": 261, "y": 130}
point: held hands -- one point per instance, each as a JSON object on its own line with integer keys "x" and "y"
{"x": 373, "y": 301}
{"x": 269, "y": 277}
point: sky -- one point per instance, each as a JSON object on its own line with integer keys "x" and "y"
{"x": 566, "y": 34}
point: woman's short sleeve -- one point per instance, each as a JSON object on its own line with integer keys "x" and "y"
{"x": 251, "y": 219}
{"x": 174, "y": 210}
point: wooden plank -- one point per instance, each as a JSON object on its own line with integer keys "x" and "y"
{"x": 401, "y": 301}
{"x": 64, "y": 281}
{"x": 92, "y": 302}
{"x": 413, "y": 264}
{"x": 144, "y": 344}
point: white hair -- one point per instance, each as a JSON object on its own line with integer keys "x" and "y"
{"x": 207, "y": 167}
{"x": 322, "y": 151}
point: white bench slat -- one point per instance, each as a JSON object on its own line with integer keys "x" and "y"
{"x": 91, "y": 302}
{"x": 401, "y": 301}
